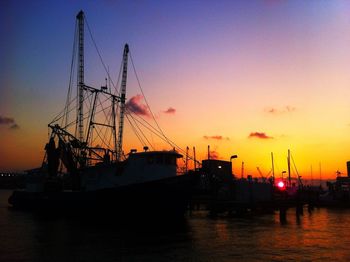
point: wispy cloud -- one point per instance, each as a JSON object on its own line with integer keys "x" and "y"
{"x": 135, "y": 106}
{"x": 170, "y": 110}
{"x": 260, "y": 135}
{"x": 286, "y": 109}
{"x": 4, "y": 120}
{"x": 14, "y": 126}
{"x": 216, "y": 137}
{"x": 8, "y": 121}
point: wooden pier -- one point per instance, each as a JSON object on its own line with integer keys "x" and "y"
{"x": 280, "y": 202}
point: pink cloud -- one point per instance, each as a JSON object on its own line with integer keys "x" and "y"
{"x": 134, "y": 105}
{"x": 260, "y": 135}
{"x": 4, "y": 120}
{"x": 8, "y": 121}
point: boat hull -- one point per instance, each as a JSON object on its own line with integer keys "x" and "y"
{"x": 161, "y": 198}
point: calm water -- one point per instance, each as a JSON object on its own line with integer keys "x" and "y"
{"x": 323, "y": 235}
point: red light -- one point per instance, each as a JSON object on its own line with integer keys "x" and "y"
{"x": 280, "y": 185}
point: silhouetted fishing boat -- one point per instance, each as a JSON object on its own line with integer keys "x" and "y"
{"x": 85, "y": 168}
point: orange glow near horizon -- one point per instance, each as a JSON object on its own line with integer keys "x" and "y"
{"x": 24, "y": 150}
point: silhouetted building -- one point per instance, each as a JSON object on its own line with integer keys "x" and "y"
{"x": 218, "y": 168}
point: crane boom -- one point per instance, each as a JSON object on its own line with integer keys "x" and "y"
{"x": 262, "y": 176}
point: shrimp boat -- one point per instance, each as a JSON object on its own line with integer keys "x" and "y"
{"x": 85, "y": 168}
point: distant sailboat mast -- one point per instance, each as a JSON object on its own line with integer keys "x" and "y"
{"x": 273, "y": 169}
{"x": 289, "y": 178}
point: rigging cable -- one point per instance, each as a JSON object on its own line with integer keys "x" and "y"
{"x": 136, "y": 132}
{"x": 149, "y": 108}
{"x": 98, "y": 52}
{"x": 142, "y": 133}
{"x": 157, "y": 133}
{"x": 299, "y": 177}
{"x": 71, "y": 75}
{"x": 138, "y": 81}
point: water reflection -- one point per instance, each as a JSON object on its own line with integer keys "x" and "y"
{"x": 320, "y": 235}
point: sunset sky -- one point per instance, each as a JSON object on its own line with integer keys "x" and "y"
{"x": 245, "y": 77}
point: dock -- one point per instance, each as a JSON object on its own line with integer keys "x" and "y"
{"x": 220, "y": 193}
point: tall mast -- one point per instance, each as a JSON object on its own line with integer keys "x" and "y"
{"x": 187, "y": 148}
{"x": 320, "y": 174}
{"x": 122, "y": 101}
{"x": 80, "y": 18}
{"x": 289, "y": 178}
{"x": 273, "y": 169}
{"x": 194, "y": 159}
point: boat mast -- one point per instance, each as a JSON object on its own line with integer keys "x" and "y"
{"x": 80, "y": 18}
{"x": 273, "y": 169}
{"x": 194, "y": 159}
{"x": 187, "y": 148}
{"x": 289, "y": 178}
{"x": 122, "y": 101}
